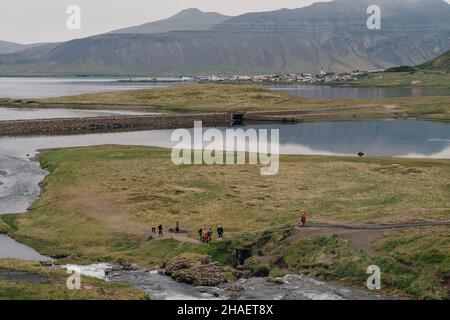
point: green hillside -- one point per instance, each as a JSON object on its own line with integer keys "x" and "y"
{"x": 440, "y": 63}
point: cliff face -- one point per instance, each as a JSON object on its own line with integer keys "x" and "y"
{"x": 330, "y": 36}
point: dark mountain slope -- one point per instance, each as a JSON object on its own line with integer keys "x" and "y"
{"x": 329, "y": 36}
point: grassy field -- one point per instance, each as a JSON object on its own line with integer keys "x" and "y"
{"x": 100, "y": 202}
{"x": 427, "y": 79}
{"x": 189, "y": 97}
{"x": 414, "y": 264}
{"x": 40, "y": 283}
{"x": 242, "y": 97}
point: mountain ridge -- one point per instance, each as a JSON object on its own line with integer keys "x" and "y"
{"x": 7, "y": 47}
{"x": 331, "y": 36}
{"x": 186, "y": 20}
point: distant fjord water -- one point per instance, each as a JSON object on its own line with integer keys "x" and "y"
{"x": 40, "y": 88}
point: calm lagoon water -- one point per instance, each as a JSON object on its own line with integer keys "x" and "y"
{"x": 38, "y": 88}
{"x": 391, "y": 138}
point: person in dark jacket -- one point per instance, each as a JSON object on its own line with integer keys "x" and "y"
{"x": 200, "y": 234}
{"x": 209, "y": 234}
{"x": 160, "y": 230}
{"x": 220, "y": 231}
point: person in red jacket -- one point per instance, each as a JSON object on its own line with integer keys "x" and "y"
{"x": 206, "y": 237}
{"x": 303, "y": 219}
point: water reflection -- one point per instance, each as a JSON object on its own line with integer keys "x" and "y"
{"x": 408, "y": 138}
{"x": 405, "y": 138}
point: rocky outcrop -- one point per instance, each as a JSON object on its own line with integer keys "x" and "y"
{"x": 199, "y": 270}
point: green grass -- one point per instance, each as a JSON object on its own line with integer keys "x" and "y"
{"x": 52, "y": 285}
{"x": 441, "y": 62}
{"x": 428, "y": 247}
{"x": 107, "y": 197}
{"x": 99, "y": 203}
{"x": 389, "y": 79}
{"x": 3, "y": 227}
{"x": 8, "y": 222}
{"x": 189, "y": 97}
{"x": 331, "y": 258}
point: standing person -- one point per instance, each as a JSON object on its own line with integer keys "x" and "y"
{"x": 200, "y": 234}
{"x": 220, "y": 231}
{"x": 160, "y": 230}
{"x": 177, "y": 228}
{"x": 209, "y": 234}
{"x": 206, "y": 237}
{"x": 304, "y": 218}
{"x": 154, "y": 228}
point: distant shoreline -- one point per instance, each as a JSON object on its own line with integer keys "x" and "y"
{"x": 135, "y": 79}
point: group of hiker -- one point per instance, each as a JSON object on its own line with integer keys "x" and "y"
{"x": 205, "y": 234}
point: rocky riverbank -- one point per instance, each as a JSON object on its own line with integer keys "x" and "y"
{"x": 159, "y": 286}
{"x": 290, "y": 287}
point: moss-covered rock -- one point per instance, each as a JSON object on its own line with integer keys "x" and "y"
{"x": 257, "y": 267}
{"x": 199, "y": 270}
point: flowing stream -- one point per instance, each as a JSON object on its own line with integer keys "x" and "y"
{"x": 289, "y": 287}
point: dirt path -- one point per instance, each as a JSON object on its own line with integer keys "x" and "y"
{"x": 361, "y": 236}
{"x": 182, "y": 237}
{"x": 381, "y": 226}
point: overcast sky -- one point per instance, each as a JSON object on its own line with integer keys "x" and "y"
{"x": 31, "y": 21}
